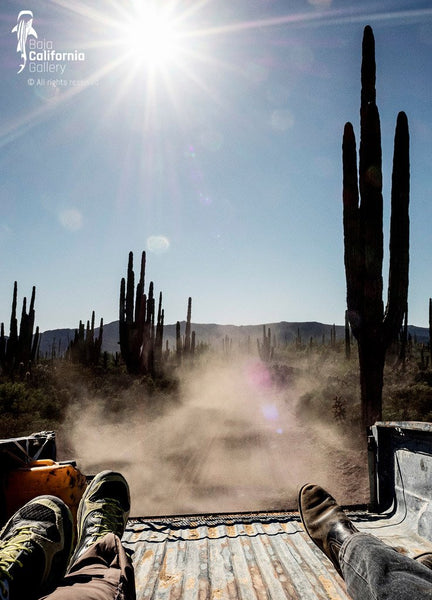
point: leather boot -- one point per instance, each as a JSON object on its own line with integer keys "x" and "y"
{"x": 324, "y": 521}
{"x": 425, "y": 559}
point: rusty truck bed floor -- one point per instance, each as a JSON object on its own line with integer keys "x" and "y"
{"x": 245, "y": 556}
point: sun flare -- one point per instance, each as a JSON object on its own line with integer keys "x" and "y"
{"x": 152, "y": 39}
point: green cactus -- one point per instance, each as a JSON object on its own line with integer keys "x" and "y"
{"x": 85, "y": 348}
{"x": 187, "y": 341}
{"x": 11, "y": 355}
{"x": 373, "y": 327}
{"x": 226, "y": 345}
{"x": 158, "y": 359}
{"x": 430, "y": 326}
{"x": 298, "y": 339}
{"x": 333, "y": 336}
{"x": 185, "y": 348}
{"x": 20, "y": 350}
{"x": 265, "y": 349}
{"x": 140, "y": 339}
{"x": 179, "y": 345}
{"x": 2, "y": 345}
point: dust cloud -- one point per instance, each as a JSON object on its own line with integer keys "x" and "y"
{"x": 233, "y": 441}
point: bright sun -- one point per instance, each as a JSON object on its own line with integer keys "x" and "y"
{"x": 152, "y": 39}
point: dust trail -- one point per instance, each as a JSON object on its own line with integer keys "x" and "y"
{"x": 234, "y": 442}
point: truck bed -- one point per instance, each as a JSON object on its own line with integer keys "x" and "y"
{"x": 246, "y": 556}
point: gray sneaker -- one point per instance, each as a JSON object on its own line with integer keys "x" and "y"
{"x": 35, "y": 546}
{"x": 104, "y": 508}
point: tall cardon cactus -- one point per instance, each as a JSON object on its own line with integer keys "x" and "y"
{"x": 265, "y": 348}
{"x": 185, "y": 348}
{"x": 430, "y": 326}
{"x": 373, "y": 327}
{"x": 140, "y": 338}
{"x": 85, "y": 348}
{"x": 20, "y": 350}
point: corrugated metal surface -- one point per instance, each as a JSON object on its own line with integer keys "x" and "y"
{"x": 229, "y": 557}
{"x": 247, "y": 556}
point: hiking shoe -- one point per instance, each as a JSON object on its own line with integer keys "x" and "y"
{"x": 35, "y": 546}
{"x": 104, "y": 508}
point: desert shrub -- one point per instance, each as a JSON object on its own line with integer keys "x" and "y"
{"x": 318, "y": 405}
{"x": 424, "y": 377}
{"x": 408, "y": 403}
{"x": 24, "y": 410}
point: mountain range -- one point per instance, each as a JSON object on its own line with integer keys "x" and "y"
{"x": 214, "y": 335}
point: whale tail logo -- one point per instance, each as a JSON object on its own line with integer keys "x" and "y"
{"x": 23, "y": 29}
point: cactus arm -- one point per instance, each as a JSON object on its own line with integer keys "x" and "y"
{"x": 370, "y": 183}
{"x": 397, "y": 298}
{"x": 353, "y": 254}
{"x": 368, "y": 68}
{"x": 130, "y": 284}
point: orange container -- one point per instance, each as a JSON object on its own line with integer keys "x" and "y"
{"x": 43, "y": 477}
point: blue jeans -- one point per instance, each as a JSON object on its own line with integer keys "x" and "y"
{"x": 373, "y": 570}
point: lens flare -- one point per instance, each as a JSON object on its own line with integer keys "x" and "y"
{"x": 158, "y": 244}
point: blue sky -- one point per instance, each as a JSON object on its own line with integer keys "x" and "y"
{"x": 219, "y": 154}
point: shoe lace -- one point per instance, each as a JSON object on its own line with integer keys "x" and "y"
{"x": 12, "y": 548}
{"x": 110, "y": 519}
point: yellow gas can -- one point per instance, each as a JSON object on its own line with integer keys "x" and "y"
{"x": 43, "y": 477}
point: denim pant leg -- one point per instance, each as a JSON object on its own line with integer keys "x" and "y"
{"x": 373, "y": 570}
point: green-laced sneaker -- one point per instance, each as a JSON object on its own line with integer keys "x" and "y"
{"x": 104, "y": 508}
{"x": 35, "y": 546}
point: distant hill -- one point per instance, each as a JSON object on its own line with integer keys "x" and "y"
{"x": 214, "y": 334}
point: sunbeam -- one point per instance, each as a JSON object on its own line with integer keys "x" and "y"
{"x": 162, "y": 46}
